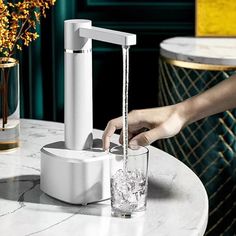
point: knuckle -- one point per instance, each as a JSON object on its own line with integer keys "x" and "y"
{"x": 111, "y": 123}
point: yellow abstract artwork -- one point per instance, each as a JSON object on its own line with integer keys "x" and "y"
{"x": 216, "y": 18}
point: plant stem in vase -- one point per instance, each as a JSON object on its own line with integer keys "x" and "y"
{"x": 4, "y": 94}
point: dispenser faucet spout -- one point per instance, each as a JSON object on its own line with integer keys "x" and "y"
{"x": 109, "y": 36}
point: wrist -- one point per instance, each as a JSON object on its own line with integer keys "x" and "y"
{"x": 186, "y": 112}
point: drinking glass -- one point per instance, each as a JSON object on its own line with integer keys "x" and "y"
{"x": 129, "y": 181}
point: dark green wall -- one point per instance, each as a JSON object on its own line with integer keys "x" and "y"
{"x": 152, "y": 21}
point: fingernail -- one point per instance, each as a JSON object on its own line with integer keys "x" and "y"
{"x": 133, "y": 144}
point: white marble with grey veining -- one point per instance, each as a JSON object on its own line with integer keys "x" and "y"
{"x": 177, "y": 201}
{"x": 215, "y": 51}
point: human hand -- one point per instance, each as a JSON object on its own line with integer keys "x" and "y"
{"x": 147, "y": 125}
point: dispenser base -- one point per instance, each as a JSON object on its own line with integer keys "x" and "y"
{"x": 77, "y": 177}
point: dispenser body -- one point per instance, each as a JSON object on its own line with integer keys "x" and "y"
{"x": 77, "y": 177}
{"x": 78, "y": 101}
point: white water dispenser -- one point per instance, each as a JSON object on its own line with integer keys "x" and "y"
{"x": 76, "y": 170}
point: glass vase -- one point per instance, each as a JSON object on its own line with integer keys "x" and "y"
{"x": 9, "y": 104}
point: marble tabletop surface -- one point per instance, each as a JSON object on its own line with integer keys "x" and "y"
{"x": 177, "y": 201}
{"x": 214, "y": 51}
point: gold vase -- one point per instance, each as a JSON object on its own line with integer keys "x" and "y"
{"x": 9, "y": 104}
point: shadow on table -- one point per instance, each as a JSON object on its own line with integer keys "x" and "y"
{"x": 160, "y": 190}
{"x": 26, "y": 189}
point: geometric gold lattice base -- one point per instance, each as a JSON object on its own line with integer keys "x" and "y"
{"x": 208, "y": 146}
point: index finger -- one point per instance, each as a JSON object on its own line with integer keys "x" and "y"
{"x": 110, "y": 129}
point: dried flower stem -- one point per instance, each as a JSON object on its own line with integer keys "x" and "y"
{"x": 18, "y": 36}
{"x": 5, "y": 96}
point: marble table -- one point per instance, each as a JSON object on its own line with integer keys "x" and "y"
{"x": 177, "y": 201}
{"x": 210, "y": 51}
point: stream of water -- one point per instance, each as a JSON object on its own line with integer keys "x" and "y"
{"x": 125, "y": 53}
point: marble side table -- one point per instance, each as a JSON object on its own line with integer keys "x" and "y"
{"x": 189, "y": 66}
{"x": 177, "y": 201}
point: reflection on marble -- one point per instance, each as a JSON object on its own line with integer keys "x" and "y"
{"x": 215, "y": 51}
{"x": 177, "y": 201}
